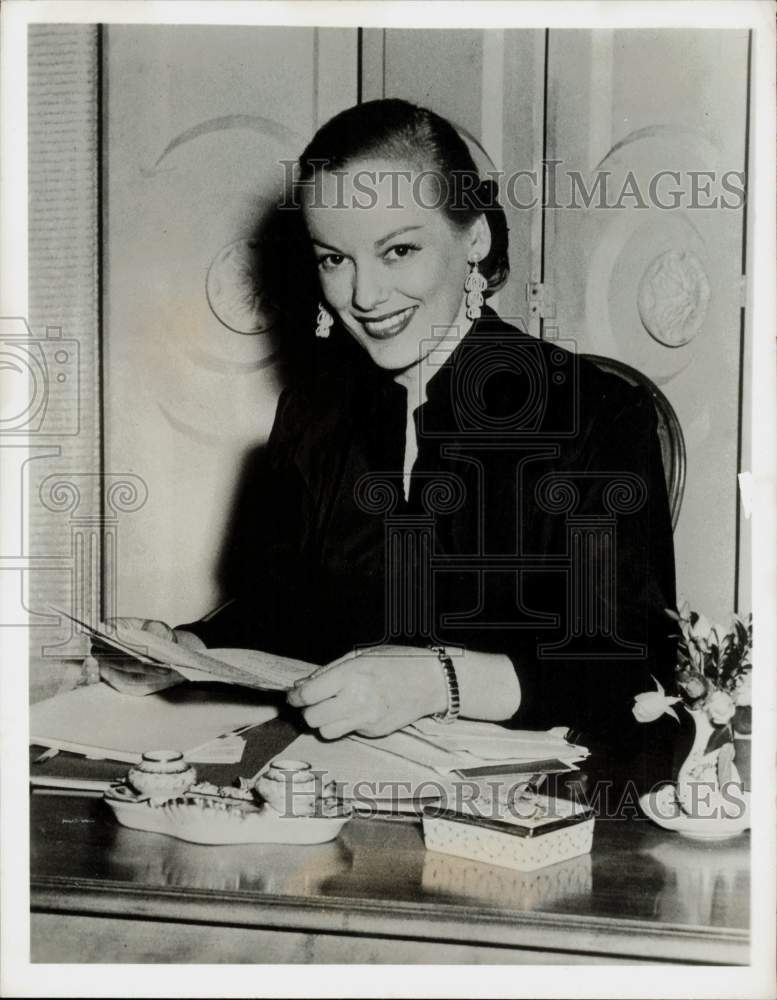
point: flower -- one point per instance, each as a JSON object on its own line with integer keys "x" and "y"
{"x": 693, "y": 685}
{"x": 720, "y": 707}
{"x": 710, "y": 658}
{"x": 743, "y": 690}
{"x": 701, "y": 630}
{"x": 651, "y": 705}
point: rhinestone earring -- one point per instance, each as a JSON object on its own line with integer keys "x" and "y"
{"x": 474, "y": 286}
{"x": 324, "y": 322}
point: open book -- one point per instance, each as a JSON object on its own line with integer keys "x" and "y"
{"x": 247, "y": 667}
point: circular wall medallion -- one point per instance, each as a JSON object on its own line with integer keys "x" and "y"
{"x": 673, "y": 297}
{"x": 233, "y": 289}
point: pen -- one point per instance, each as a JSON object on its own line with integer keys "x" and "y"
{"x": 85, "y": 785}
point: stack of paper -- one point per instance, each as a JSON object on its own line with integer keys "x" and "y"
{"x": 427, "y": 761}
{"x": 98, "y": 722}
{"x": 485, "y": 746}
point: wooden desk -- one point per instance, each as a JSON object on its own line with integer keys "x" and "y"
{"x": 102, "y": 893}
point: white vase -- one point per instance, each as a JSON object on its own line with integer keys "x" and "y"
{"x": 708, "y": 784}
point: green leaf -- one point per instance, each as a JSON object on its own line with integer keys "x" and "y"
{"x": 719, "y": 737}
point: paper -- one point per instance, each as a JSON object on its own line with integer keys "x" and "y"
{"x": 405, "y": 767}
{"x": 362, "y": 770}
{"x": 99, "y": 722}
{"x": 411, "y": 747}
{"x": 490, "y": 742}
{"x": 247, "y": 667}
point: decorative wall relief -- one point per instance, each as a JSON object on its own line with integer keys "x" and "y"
{"x": 673, "y": 297}
{"x": 233, "y": 289}
{"x": 206, "y": 200}
{"x": 654, "y": 258}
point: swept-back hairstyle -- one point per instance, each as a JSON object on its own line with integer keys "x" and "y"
{"x": 403, "y": 133}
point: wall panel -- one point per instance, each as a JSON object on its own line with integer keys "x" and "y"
{"x": 626, "y": 105}
{"x": 61, "y": 485}
{"x": 197, "y": 122}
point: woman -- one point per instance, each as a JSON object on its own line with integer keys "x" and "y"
{"x": 442, "y": 527}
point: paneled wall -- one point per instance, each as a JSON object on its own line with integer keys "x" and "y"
{"x": 59, "y": 486}
{"x": 629, "y": 105}
{"x": 198, "y": 121}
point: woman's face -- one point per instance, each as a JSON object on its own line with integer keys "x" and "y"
{"x": 391, "y": 266}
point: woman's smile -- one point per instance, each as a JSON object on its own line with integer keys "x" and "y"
{"x": 389, "y": 324}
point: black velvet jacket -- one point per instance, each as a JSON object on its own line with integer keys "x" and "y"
{"x": 537, "y": 526}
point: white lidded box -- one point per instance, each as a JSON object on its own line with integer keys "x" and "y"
{"x": 560, "y": 830}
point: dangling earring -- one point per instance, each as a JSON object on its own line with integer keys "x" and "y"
{"x": 324, "y": 321}
{"x": 474, "y": 286}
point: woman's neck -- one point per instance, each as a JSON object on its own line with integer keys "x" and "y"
{"x": 417, "y": 376}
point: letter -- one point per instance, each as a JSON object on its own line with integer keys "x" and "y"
{"x": 598, "y": 187}
{"x": 629, "y": 800}
{"x": 464, "y": 184}
{"x": 439, "y": 791}
{"x": 735, "y": 799}
{"x": 461, "y": 800}
{"x": 442, "y": 183}
{"x": 696, "y": 800}
{"x": 510, "y": 193}
{"x": 550, "y": 183}
{"x": 394, "y": 176}
{"x": 339, "y": 176}
{"x": 362, "y": 796}
{"x": 359, "y": 188}
{"x": 630, "y": 189}
{"x": 314, "y": 182}
{"x": 289, "y": 187}
{"x": 737, "y": 190}
{"x": 521, "y": 800}
{"x": 696, "y": 188}
{"x": 675, "y": 192}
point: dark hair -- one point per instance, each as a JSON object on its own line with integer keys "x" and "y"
{"x": 399, "y": 131}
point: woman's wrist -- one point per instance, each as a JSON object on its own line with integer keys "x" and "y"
{"x": 489, "y": 688}
{"x": 436, "y": 688}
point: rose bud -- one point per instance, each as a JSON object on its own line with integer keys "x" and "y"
{"x": 720, "y": 707}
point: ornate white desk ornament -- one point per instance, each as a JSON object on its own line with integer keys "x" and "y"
{"x": 290, "y": 804}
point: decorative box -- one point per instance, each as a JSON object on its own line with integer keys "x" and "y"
{"x": 558, "y": 830}
{"x": 481, "y": 883}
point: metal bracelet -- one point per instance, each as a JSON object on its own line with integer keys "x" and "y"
{"x": 452, "y": 684}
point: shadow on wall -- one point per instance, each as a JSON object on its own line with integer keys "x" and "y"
{"x": 285, "y": 277}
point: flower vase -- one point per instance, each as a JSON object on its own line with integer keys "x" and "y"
{"x": 743, "y": 727}
{"x": 708, "y": 783}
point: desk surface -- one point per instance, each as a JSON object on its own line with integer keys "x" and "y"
{"x": 642, "y": 894}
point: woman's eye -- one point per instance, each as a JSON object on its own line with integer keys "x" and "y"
{"x": 401, "y": 251}
{"x": 331, "y": 261}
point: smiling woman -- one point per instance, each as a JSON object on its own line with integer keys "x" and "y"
{"x": 420, "y": 531}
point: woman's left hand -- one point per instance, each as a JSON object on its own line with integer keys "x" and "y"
{"x": 372, "y": 692}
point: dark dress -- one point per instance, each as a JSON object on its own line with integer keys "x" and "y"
{"x": 537, "y": 526}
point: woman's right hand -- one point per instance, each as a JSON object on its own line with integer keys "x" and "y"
{"x": 132, "y": 676}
